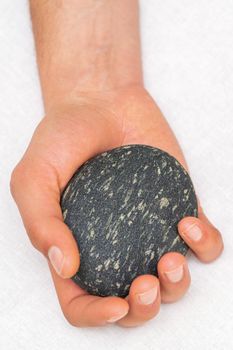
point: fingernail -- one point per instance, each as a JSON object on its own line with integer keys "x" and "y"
{"x": 117, "y": 317}
{"x": 193, "y": 232}
{"x": 175, "y": 275}
{"x": 148, "y": 297}
{"x": 56, "y": 258}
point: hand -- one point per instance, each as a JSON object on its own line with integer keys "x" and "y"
{"x": 64, "y": 139}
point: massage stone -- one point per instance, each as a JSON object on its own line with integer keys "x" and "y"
{"x": 123, "y": 207}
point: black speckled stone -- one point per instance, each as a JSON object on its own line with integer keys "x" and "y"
{"x": 123, "y": 207}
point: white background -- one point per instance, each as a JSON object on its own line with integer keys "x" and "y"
{"x": 188, "y": 66}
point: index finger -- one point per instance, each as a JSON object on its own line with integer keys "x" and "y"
{"x": 37, "y": 198}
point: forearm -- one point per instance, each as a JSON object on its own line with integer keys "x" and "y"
{"x": 86, "y": 46}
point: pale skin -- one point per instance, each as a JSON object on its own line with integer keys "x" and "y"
{"x": 89, "y": 61}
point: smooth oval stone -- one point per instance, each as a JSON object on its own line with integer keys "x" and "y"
{"x": 123, "y": 207}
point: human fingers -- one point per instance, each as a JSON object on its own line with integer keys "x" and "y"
{"x": 202, "y": 236}
{"x": 143, "y": 299}
{"x": 174, "y": 276}
{"x": 37, "y": 196}
{"x": 84, "y": 310}
{"x": 59, "y": 146}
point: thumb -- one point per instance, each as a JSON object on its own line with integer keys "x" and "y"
{"x": 37, "y": 196}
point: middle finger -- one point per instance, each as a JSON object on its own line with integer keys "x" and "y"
{"x": 144, "y": 301}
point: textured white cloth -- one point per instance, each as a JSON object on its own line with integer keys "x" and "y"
{"x": 188, "y": 65}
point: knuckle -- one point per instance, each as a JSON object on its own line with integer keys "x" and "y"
{"x": 218, "y": 236}
{"x": 69, "y": 319}
{"x": 151, "y": 312}
{"x": 18, "y": 177}
{"x": 211, "y": 254}
{"x": 68, "y": 312}
{"x": 75, "y": 322}
{"x": 14, "y": 180}
{"x": 34, "y": 231}
{"x": 146, "y": 313}
{"x": 219, "y": 246}
{"x": 172, "y": 297}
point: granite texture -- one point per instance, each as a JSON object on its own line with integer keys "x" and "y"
{"x": 123, "y": 207}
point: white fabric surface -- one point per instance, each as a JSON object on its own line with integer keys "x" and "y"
{"x": 188, "y": 65}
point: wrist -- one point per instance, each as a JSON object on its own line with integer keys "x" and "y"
{"x": 86, "y": 50}
{"x": 114, "y": 102}
{"x": 105, "y": 99}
